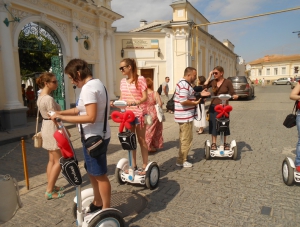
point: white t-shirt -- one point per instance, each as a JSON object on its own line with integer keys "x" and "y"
{"x": 93, "y": 92}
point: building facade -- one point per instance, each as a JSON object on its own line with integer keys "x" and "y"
{"x": 179, "y": 43}
{"x": 273, "y": 67}
{"x": 80, "y": 28}
{"x": 83, "y": 29}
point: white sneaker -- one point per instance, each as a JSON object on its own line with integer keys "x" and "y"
{"x": 187, "y": 165}
{"x": 179, "y": 164}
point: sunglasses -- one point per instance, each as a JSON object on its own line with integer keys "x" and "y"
{"x": 215, "y": 73}
{"x": 122, "y": 68}
{"x": 53, "y": 81}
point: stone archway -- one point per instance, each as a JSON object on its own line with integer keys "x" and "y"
{"x": 61, "y": 40}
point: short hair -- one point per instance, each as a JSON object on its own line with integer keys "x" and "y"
{"x": 167, "y": 77}
{"x": 78, "y": 65}
{"x": 44, "y": 78}
{"x": 219, "y": 68}
{"x": 188, "y": 70}
{"x": 201, "y": 79}
{"x": 149, "y": 83}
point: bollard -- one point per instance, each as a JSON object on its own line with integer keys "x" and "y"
{"x": 25, "y": 162}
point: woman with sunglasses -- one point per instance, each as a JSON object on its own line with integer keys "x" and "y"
{"x": 219, "y": 85}
{"x": 48, "y": 83}
{"x": 89, "y": 114}
{"x": 134, "y": 91}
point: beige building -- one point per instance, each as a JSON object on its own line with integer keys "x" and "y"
{"x": 166, "y": 48}
{"x": 273, "y": 67}
{"x": 83, "y": 29}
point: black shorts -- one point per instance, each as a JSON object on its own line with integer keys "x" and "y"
{"x": 213, "y": 122}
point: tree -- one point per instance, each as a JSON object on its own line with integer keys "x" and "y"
{"x": 35, "y": 52}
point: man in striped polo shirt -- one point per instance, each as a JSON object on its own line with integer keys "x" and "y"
{"x": 185, "y": 104}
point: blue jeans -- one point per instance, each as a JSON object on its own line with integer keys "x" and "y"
{"x": 297, "y": 160}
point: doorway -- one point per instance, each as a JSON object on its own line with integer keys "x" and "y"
{"x": 147, "y": 73}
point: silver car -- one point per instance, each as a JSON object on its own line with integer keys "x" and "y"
{"x": 284, "y": 80}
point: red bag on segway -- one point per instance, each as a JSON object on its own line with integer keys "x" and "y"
{"x": 63, "y": 144}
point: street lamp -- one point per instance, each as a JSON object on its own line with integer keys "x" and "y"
{"x": 298, "y": 33}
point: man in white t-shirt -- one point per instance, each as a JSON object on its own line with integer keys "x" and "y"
{"x": 185, "y": 104}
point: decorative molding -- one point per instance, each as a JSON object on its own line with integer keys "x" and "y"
{"x": 2, "y": 7}
{"x": 21, "y": 14}
{"x": 62, "y": 26}
{"x": 51, "y": 7}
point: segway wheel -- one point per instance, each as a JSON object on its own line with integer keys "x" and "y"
{"x": 287, "y": 172}
{"x": 118, "y": 177}
{"x": 110, "y": 218}
{"x": 152, "y": 176}
{"x": 207, "y": 151}
{"x": 235, "y": 153}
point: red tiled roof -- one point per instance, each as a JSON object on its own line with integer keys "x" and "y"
{"x": 275, "y": 58}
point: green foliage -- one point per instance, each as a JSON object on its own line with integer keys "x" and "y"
{"x": 35, "y": 53}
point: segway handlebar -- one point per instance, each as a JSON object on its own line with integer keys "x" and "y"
{"x": 223, "y": 97}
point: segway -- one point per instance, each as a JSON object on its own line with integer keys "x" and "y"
{"x": 106, "y": 217}
{"x": 289, "y": 173}
{"x": 222, "y": 125}
{"x": 124, "y": 171}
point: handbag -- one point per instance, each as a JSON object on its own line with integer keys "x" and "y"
{"x": 95, "y": 144}
{"x": 148, "y": 119}
{"x": 170, "y": 104}
{"x": 37, "y": 138}
{"x": 70, "y": 170}
{"x": 290, "y": 120}
{"x": 10, "y": 201}
{"x": 159, "y": 112}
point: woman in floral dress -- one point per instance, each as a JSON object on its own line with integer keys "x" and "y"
{"x": 154, "y": 137}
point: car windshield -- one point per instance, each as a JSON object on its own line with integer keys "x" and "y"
{"x": 238, "y": 79}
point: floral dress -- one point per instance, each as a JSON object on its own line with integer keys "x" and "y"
{"x": 154, "y": 138}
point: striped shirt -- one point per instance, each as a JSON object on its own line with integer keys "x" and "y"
{"x": 183, "y": 92}
{"x": 132, "y": 94}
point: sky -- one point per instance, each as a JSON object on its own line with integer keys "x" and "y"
{"x": 252, "y": 38}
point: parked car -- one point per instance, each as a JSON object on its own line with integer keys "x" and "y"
{"x": 295, "y": 81}
{"x": 284, "y": 80}
{"x": 243, "y": 86}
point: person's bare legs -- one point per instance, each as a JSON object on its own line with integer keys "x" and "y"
{"x": 102, "y": 190}
{"x": 140, "y": 132}
{"x": 53, "y": 170}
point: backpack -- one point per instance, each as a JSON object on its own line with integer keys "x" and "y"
{"x": 159, "y": 90}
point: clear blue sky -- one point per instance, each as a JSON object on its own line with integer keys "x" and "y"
{"x": 253, "y": 38}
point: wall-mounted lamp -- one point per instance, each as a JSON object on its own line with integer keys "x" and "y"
{"x": 6, "y": 21}
{"x": 158, "y": 52}
{"x": 84, "y": 36}
{"x": 122, "y": 52}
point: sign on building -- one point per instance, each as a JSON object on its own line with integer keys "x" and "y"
{"x": 140, "y": 43}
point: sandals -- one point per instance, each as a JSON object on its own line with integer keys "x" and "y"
{"x": 213, "y": 146}
{"x": 200, "y": 132}
{"x": 226, "y": 146}
{"x": 142, "y": 171}
{"x": 49, "y": 195}
{"x": 58, "y": 189}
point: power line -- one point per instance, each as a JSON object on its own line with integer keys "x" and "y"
{"x": 244, "y": 18}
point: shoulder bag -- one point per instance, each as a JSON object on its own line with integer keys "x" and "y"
{"x": 37, "y": 138}
{"x": 290, "y": 120}
{"x": 95, "y": 144}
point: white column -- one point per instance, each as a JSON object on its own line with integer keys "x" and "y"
{"x": 8, "y": 63}
{"x": 101, "y": 52}
{"x": 75, "y": 49}
{"x": 169, "y": 59}
{"x": 109, "y": 64}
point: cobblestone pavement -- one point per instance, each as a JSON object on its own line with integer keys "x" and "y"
{"x": 217, "y": 192}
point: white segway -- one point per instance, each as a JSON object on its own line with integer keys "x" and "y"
{"x": 289, "y": 173}
{"x": 222, "y": 125}
{"x": 109, "y": 217}
{"x": 124, "y": 171}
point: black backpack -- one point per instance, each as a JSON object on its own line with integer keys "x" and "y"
{"x": 159, "y": 90}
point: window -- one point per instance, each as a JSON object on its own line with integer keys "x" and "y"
{"x": 283, "y": 70}
{"x": 268, "y": 71}
{"x": 275, "y": 71}
{"x": 259, "y": 72}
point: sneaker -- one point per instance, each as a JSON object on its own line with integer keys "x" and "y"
{"x": 187, "y": 164}
{"x": 178, "y": 164}
{"x": 298, "y": 168}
